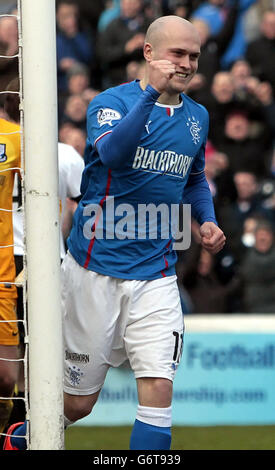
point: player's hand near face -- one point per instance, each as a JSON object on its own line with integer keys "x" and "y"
{"x": 212, "y": 237}
{"x": 160, "y": 73}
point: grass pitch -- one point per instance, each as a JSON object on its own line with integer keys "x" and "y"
{"x": 183, "y": 438}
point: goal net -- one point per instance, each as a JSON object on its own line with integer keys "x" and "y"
{"x": 40, "y": 279}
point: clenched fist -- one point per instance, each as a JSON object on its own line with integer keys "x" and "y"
{"x": 212, "y": 237}
{"x": 160, "y": 73}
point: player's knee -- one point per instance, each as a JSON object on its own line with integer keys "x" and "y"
{"x": 156, "y": 392}
{"x": 77, "y": 407}
{"x": 162, "y": 388}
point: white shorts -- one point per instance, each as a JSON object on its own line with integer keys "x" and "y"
{"x": 109, "y": 320}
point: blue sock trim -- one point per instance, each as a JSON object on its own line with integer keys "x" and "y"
{"x": 19, "y": 442}
{"x": 148, "y": 437}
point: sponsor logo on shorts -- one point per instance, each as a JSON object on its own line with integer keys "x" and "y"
{"x": 75, "y": 375}
{"x": 77, "y": 357}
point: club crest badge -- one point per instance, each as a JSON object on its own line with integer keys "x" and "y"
{"x": 194, "y": 128}
{"x": 107, "y": 116}
{"x": 3, "y": 156}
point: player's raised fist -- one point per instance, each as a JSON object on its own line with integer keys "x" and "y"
{"x": 160, "y": 72}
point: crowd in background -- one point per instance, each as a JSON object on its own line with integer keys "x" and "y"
{"x": 100, "y": 44}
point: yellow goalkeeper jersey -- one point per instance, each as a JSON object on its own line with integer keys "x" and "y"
{"x": 9, "y": 164}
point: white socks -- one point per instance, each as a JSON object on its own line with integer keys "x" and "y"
{"x": 155, "y": 416}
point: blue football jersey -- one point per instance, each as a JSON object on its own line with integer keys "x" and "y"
{"x": 108, "y": 235}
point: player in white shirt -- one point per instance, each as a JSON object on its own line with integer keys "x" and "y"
{"x": 70, "y": 166}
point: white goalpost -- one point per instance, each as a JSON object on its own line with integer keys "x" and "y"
{"x": 38, "y": 78}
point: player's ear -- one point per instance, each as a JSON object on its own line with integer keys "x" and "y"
{"x": 147, "y": 51}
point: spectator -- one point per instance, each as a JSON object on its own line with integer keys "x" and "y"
{"x": 254, "y": 95}
{"x": 64, "y": 130}
{"x": 110, "y": 12}
{"x": 90, "y": 11}
{"x": 75, "y": 111}
{"x": 237, "y": 89}
{"x": 74, "y": 45}
{"x": 153, "y": 9}
{"x": 261, "y": 52}
{"x": 249, "y": 202}
{"x": 213, "y": 46}
{"x": 78, "y": 80}
{"x": 134, "y": 70}
{"x": 218, "y": 102}
{"x": 210, "y": 11}
{"x": 214, "y": 12}
{"x": 122, "y": 42}
{"x": 89, "y": 94}
{"x": 243, "y": 81}
{"x": 248, "y": 233}
{"x": 207, "y": 293}
{"x": 257, "y": 272}
{"x": 181, "y": 8}
{"x": 246, "y": 147}
{"x": 76, "y": 138}
{"x": 264, "y": 93}
{"x": 219, "y": 176}
{"x": 9, "y": 48}
{"x": 240, "y": 72}
{"x": 78, "y": 84}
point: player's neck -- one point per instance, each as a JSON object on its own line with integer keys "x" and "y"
{"x": 164, "y": 98}
{"x": 169, "y": 100}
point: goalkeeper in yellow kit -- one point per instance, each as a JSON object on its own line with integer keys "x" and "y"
{"x": 9, "y": 335}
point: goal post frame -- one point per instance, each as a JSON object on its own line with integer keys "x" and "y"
{"x": 42, "y": 243}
